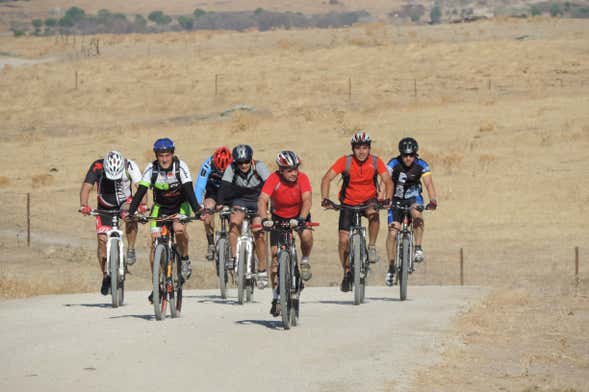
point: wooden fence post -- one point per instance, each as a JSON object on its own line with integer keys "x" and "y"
{"x": 28, "y": 219}
{"x": 461, "y": 267}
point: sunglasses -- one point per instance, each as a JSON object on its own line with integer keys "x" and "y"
{"x": 289, "y": 170}
{"x": 408, "y": 155}
{"x": 243, "y": 163}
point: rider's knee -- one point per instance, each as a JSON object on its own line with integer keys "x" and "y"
{"x": 101, "y": 239}
{"x": 418, "y": 223}
{"x": 394, "y": 228}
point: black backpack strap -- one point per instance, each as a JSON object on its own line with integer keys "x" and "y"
{"x": 155, "y": 170}
{"x": 177, "y": 169}
{"x": 375, "y": 164}
{"x": 345, "y": 178}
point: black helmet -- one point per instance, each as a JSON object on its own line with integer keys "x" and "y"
{"x": 408, "y": 145}
{"x": 242, "y": 153}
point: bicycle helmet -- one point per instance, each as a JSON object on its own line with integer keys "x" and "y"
{"x": 408, "y": 145}
{"x": 361, "y": 139}
{"x": 222, "y": 158}
{"x": 287, "y": 160}
{"x": 242, "y": 153}
{"x": 164, "y": 145}
{"x": 114, "y": 165}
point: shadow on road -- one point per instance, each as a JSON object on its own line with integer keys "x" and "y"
{"x": 388, "y": 299}
{"x": 146, "y": 317}
{"x": 271, "y": 324}
{"x": 215, "y": 299}
{"x": 90, "y": 305}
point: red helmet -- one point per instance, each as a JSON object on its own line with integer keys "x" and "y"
{"x": 222, "y": 158}
{"x": 287, "y": 160}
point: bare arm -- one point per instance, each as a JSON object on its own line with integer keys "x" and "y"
{"x": 429, "y": 185}
{"x": 306, "y": 208}
{"x": 85, "y": 193}
{"x": 263, "y": 200}
{"x": 325, "y": 182}
{"x": 388, "y": 184}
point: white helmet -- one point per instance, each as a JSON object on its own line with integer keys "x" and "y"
{"x": 114, "y": 165}
{"x": 360, "y": 138}
{"x": 287, "y": 160}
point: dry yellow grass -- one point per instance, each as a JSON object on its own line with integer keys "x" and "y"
{"x": 507, "y": 142}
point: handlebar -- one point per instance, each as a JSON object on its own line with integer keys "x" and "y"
{"x": 360, "y": 208}
{"x": 270, "y": 225}
{"x": 169, "y": 218}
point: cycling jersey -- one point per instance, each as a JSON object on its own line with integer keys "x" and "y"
{"x": 242, "y": 189}
{"x": 407, "y": 180}
{"x": 361, "y": 185}
{"x": 112, "y": 194}
{"x": 208, "y": 181}
{"x": 287, "y": 197}
{"x": 167, "y": 188}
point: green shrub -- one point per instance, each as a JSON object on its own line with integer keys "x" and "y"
{"x": 50, "y": 22}
{"x": 536, "y": 10}
{"x": 18, "y": 33}
{"x": 555, "y": 10}
{"x": 158, "y": 17}
{"x": 186, "y": 22}
{"x": 436, "y": 14}
{"x": 198, "y": 12}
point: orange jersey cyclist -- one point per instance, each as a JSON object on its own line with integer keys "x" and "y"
{"x": 289, "y": 190}
{"x": 114, "y": 176}
{"x": 360, "y": 172}
{"x": 169, "y": 177}
{"x": 408, "y": 171}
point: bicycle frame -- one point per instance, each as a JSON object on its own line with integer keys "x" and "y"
{"x": 115, "y": 235}
{"x": 246, "y": 240}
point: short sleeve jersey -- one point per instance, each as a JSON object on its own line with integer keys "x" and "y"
{"x": 407, "y": 180}
{"x": 361, "y": 186}
{"x": 167, "y": 190}
{"x": 286, "y": 197}
{"x": 112, "y": 193}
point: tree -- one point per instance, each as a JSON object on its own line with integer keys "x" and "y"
{"x": 158, "y": 17}
{"x": 50, "y": 22}
{"x": 555, "y": 10}
{"x": 536, "y": 10}
{"x": 435, "y": 14}
{"x": 198, "y": 12}
{"x": 72, "y": 16}
{"x": 186, "y": 22}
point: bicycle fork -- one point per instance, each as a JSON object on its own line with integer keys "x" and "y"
{"x": 109, "y": 245}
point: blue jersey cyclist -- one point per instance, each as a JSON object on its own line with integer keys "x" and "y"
{"x": 206, "y": 189}
{"x": 240, "y": 187}
{"x": 408, "y": 171}
{"x": 173, "y": 193}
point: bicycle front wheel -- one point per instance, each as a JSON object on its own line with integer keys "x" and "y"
{"x": 160, "y": 262}
{"x": 114, "y": 260}
{"x": 241, "y": 259}
{"x": 356, "y": 245}
{"x": 284, "y": 287}
{"x": 404, "y": 273}
{"x": 223, "y": 251}
{"x": 174, "y": 285}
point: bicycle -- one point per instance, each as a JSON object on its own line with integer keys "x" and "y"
{"x": 358, "y": 251}
{"x": 166, "y": 278}
{"x": 405, "y": 248}
{"x": 115, "y": 266}
{"x": 222, "y": 250}
{"x": 290, "y": 283}
{"x": 246, "y": 259}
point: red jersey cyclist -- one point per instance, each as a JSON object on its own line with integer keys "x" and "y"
{"x": 290, "y": 193}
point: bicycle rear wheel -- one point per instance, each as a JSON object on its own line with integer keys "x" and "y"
{"x": 284, "y": 287}
{"x": 356, "y": 252}
{"x": 404, "y": 273}
{"x": 251, "y": 283}
{"x": 113, "y": 261}
{"x": 174, "y": 285}
{"x": 159, "y": 277}
{"x": 223, "y": 252}
{"x": 241, "y": 274}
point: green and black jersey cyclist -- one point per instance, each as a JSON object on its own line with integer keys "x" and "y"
{"x": 173, "y": 193}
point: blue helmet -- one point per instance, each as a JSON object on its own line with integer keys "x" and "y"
{"x": 163, "y": 145}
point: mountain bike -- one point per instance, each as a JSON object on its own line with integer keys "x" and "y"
{"x": 167, "y": 280}
{"x": 115, "y": 266}
{"x": 405, "y": 247}
{"x": 246, "y": 259}
{"x": 357, "y": 249}
{"x": 222, "y": 250}
{"x": 290, "y": 283}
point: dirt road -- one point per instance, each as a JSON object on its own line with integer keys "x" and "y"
{"x": 78, "y": 342}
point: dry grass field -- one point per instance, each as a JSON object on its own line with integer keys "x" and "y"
{"x": 499, "y": 108}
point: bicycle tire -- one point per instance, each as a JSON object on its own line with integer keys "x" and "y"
{"x": 284, "y": 284}
{"x": 356, "y": 252}
{"x": 222, "y": 256}
{"x": 404, "y": 273}
{"x": 159, "y": 262}
{"x": 174, "y": 279}
{"x": 251, "y": 283}
{"x": 241, "y": 275}
{"x": 114, "y": 260}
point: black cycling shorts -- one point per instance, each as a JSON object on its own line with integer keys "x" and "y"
{"x": 275, "y": 235}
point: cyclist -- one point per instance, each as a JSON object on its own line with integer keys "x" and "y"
{"x": 172, "y": 194}
{"x": 206, "y": 188}
{"x": 240, "y": 187}
{"x": 290, "y": 193}
{"x": 407, "y": 171}
{"x": 360, "y": 172}
{"x": 113, "y": 177}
